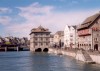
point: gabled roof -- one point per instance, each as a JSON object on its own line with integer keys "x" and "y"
{"x": 69, "y": 26}
{"x": 51, "y": 36}
{"x": 39, "y": 29}
{"x": 60, "y": 33}
{"x": 89, "y": 21}
{"x": 74, "y": 27}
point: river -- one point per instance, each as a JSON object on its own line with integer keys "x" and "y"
{"x": 27, "y": 61}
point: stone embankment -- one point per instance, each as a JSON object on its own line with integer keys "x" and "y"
{"x": 82, "y": 55}
{"x": 57, "y": 51}
{"x": 95, "y": 55}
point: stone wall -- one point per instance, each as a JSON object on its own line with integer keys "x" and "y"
{"x": 62, "y": 52}
{"x": 78, "y": 55}
{"x": 95, "y": 58}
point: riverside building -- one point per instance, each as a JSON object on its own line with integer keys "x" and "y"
{"x": 59, "y": 39}
{"x": 39, "y": 39}
{"x": 89, "y": 33}
{"x": 70, "y": 36}
{"x": 51, "y": 40}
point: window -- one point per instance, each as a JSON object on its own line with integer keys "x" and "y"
{"x": 41, "y": 44}
{"x": 95, "y": 39}
{"x": 41, "y": 34}
{"x": 97, "y": 35}
{"x": 46, "y": 43}
{"x": 47, "y": 34}
{"x": 41, "y": 38}
{"x": 78, "y": 45}
{"x": 35, "y": 44}
{"x": 35, "y": 39}
{"x": 89, "y": 44}
{"x": 46, "y": 39}
{"x": 71, "y": 39}
{"x": 71, "y": 35}
{"x": 36, "y": 34}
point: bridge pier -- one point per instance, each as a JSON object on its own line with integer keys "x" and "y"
{"x": 17, "y": 49}
{"x": 5, "y": 49}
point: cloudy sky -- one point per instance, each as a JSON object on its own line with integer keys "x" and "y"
{"x": 18, "y": 17}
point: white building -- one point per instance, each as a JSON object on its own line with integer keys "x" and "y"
{"x": 70, "y": 36}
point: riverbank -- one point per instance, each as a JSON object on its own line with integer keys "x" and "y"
{"x": 82, "y": 55}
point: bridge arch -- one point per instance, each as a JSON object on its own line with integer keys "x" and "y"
{"x": 45, "y": 50}
{"x": 38, "y": 50}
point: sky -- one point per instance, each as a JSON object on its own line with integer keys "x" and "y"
{"x": 18, "y": 17}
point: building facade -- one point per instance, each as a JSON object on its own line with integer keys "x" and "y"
{"x": 70, "y": 36}
{"x": 59, "y": 39}
{"x": 89, "y": 33}
{"x": 51, "y": 40}
{"x": 39, "y": 39}
{"x": 24, "y": 41}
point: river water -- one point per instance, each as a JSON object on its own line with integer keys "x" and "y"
{"x": 27, "y": 61}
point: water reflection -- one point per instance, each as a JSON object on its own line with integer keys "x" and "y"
{"x": 27, "y": 61}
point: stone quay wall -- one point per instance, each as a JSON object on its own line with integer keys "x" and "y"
{"x": 95, "y": 55}
{"x": 77, "y": 54}
{"x": 71, "y": 53}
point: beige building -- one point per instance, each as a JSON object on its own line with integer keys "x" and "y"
{"x": 39, "y": 39}
{"x": 51, "y": 40}
{"x": 58, "y": 38}
{"x": 89, "y": 33}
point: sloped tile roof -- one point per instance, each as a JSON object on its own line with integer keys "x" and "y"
{"x": 60, "y": 33}
{"x": 89, "y": 21}
{"x": 39, "y": 29}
